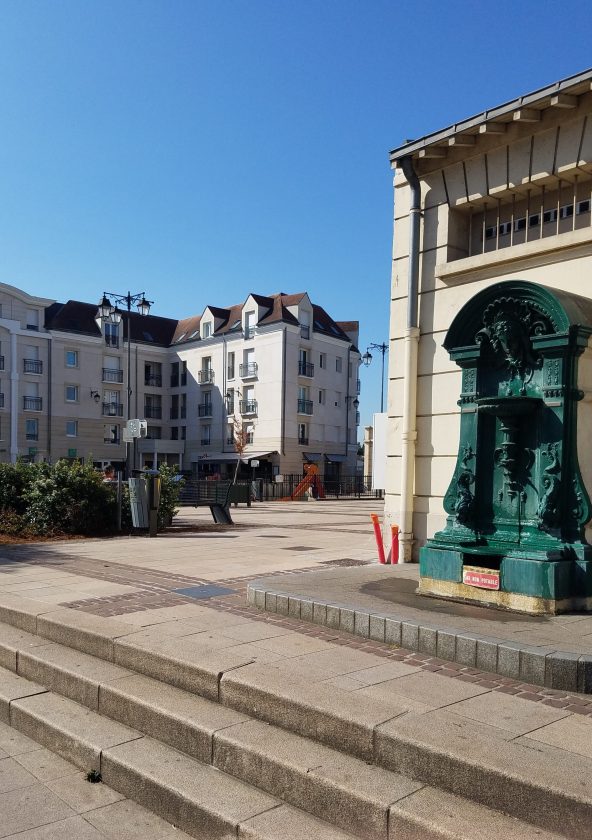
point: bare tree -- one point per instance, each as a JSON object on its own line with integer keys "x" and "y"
{"x": 241, "y": 435}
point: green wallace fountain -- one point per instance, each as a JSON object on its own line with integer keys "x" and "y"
{"x": 517, "y": 505}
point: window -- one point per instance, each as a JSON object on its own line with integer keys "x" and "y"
{"x": 206, "y": 330}
{"x": 230, "y": 401}
{"x": 206, "y": 435}
{"x": 153, "y": 374}
{"x": 154, "y": 432}
{"x": 174, "y": 433}
{"x": 323, "y": 360}
{"x": 175, "y": 375}
{"x": 32, "y": 429}
{"x": 249, "y": 324}
{"x": 230, "y": 366}
{"x": 32, "y": 319}
{"x": 111, "y": 434}
{"x": 303, "y": 434}
{"x": 71, "y": 428}
{"x": 322, "y": 397}
{"x": 230, "y": 434}
{"x": 71, "y": 393}
{"x": 72, "y": 358}
{"x": 249, "y": 433}
{"x": 183, "y": 432}
{"x": 183, "y": 374}
{"x": 338, "y": 398}
{"x": 111, "y": 334}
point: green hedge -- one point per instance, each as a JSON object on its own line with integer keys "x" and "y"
{"x": 69, "y": 498}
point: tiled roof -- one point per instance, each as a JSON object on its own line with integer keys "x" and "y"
{"x": 186, "y": 328}
{"x": 77, "y": 317}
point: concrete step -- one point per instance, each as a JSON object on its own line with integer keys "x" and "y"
{"x": 206, "y": 801}
{"x": 198, "y": 798}
{"x": 519, "y": 777}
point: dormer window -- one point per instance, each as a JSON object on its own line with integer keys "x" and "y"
{"x": 249, "y": 324}
{"x": 206, "y": 330}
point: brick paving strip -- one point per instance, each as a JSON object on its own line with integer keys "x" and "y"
{"x": 155, "y": 591}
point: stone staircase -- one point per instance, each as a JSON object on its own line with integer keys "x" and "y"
{"x": 223, "y": 747}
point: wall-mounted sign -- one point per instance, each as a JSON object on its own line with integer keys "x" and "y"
{"x": 481, "y": 578}
{"x": 72, "y": 453}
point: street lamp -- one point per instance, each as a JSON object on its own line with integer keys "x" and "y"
{"x": 367, "y": 359}
{"x": 113, "y": 314}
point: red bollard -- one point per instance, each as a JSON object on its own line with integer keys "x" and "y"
{"x": 378, "y": 535}
{"x": 394, "y": 543}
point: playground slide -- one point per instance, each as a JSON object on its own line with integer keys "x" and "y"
{"x": 309, "y": 480}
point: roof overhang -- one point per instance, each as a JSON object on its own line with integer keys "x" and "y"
{"x": 528, "y": 108}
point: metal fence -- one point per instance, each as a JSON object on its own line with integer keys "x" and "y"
{"x": 342, "y": 487}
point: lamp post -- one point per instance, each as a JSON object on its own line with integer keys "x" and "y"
{"x": 109, "y": 313}
{"x": 367, "y": 358}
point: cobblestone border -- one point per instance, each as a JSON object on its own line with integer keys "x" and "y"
{"x": 530, "y": 664}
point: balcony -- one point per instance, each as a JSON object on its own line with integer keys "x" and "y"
{"x": 304, "y": 331}
{"x": 204, "y": 410}
{"x": 302, "y": 441}
{"x": 153, "y": 380}
{"x": 305, "y": 369}
{"x": 248, "y": 371}
{"x": 305, "y": 406}
{"x": 32, "y": 403}
{"x": 205, "y": 377}
{"x": 112, "y": 340}
{"x": 33, "y": 366}
{"x": 248, "y": 406}
{"x": 115, "y": 441}
{"x": 1, "y": 362}
{"x": 112, "y": 409}
{"x": 112, "y": 375}
{"x": 153, "y": 412}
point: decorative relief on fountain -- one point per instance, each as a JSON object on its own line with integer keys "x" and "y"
{"x": 464, "y": 507}
{"x": 548, "y": 510}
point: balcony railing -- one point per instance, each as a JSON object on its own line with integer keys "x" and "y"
{"x": 33, "y": 365}
{"x": 204, "y": 410}
{"x": 303, "y": 441}
{"x": 205, "y": 377}
{"x": 112, "y": 340}
{"x": 112, "y": 375}
{"x": 32, "y": 403}
{"x": 32, "y": 435}
{"x": 304, "y": 331}
{"x": 248, "y": 406}
{"x": 1, "y": 362}
{"x": 248, "y": 370}
{"x": 305, "y": 369}
{"x": 305, "y": 406}
{"x": 154, "y": 412}
{"x": 112, "y": 409}
{"x": 153, "y": 379}
{"x": 205, "y": 441}
{"x": 115, "y": 441}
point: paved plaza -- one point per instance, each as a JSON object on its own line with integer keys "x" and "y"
{"x": 186, "y": 590}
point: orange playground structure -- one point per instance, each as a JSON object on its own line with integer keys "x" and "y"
{"x": 311, "y": 479}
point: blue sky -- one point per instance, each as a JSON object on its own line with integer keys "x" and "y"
{"x": 202, "y": 150}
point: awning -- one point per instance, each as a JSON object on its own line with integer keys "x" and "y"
{"x": 215, "y": 457}
{"x": 312, "y": 456}
{"x": 336, "y": 459}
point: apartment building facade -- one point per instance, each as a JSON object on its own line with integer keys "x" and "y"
{"x": 503, "y": 195}
{"x": 277, "y": 372}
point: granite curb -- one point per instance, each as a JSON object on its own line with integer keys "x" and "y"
{"x": 539, "y": 665}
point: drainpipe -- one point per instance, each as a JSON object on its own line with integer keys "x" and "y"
{"x": 347, "y": 406}
{"x": 411, "y": 345}
{"x": 283, "y": 404}
{"x": 14, "y": 397}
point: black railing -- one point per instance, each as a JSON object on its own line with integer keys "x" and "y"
{"x": 305, "y": 406}
{"x": 154, "y": 412}
{"x": 33, "y": 366}
{"x": 248, "y": 370}
{"x": 302, "y": 440}
{"x": 153, "y": 379}
{"x": 205, "y": 441}
{"x": 112, "y": 375}
{"x": 32, "y": 435}
{"x": 348, "y": 487}
{"x": 204, "y": 410}
{"x": 248, "y": 406}
{"x": 32, "y": 403}
{"x": 305, "y": 369}
{"x": 205, "y": 377}
{"x": 112, "y": 409}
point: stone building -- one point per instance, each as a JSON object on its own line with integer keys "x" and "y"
{"x": 278, "y": 367}
{"x": 503, "y": 195}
